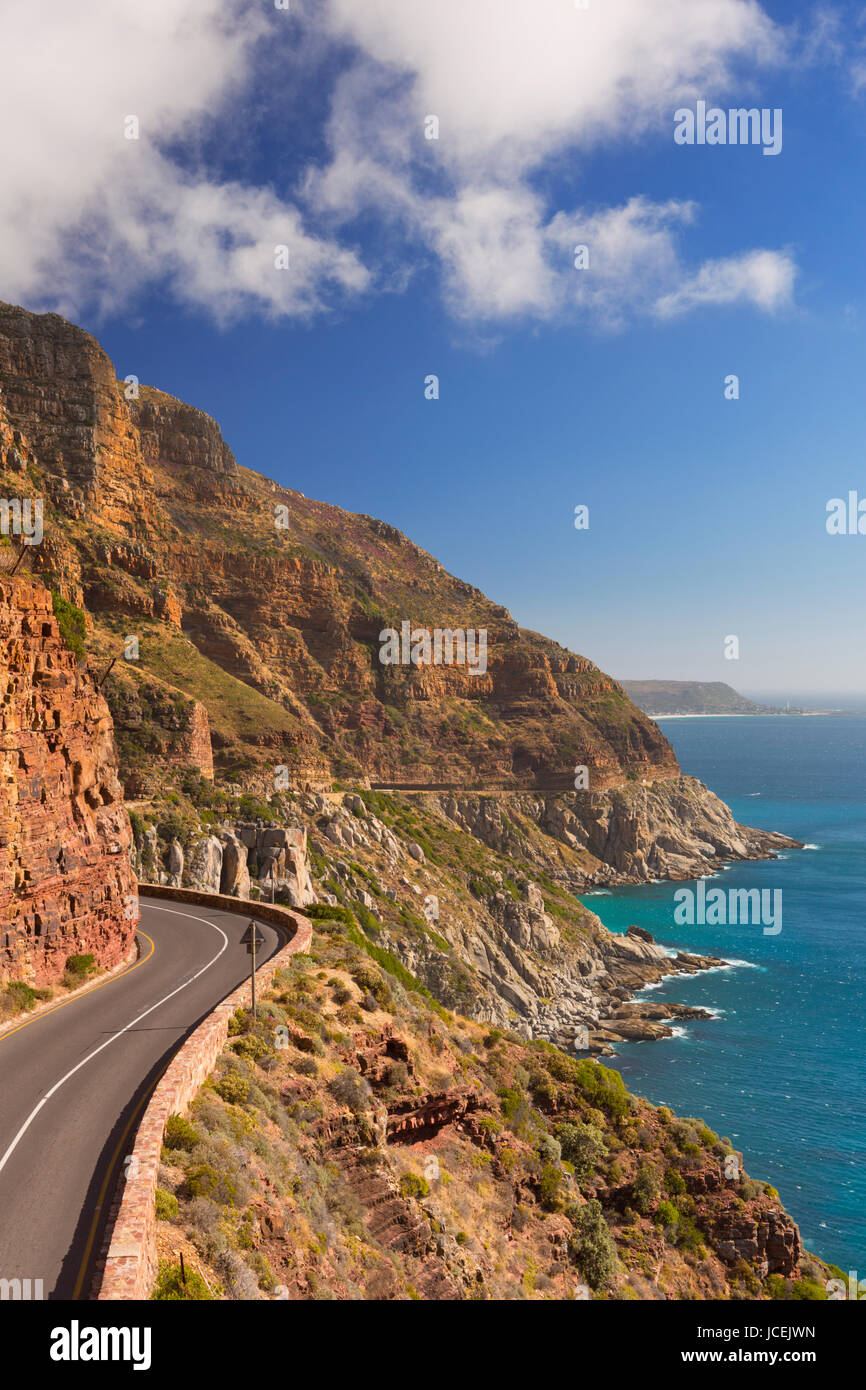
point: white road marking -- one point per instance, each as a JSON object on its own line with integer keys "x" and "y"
{"x": 119, "y": 1034}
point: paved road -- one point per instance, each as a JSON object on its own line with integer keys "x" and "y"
{"x": 73, "y": 1082}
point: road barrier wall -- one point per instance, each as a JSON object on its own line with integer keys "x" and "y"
{"x": 128, "y": 1264}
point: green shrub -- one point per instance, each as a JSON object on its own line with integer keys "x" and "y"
{"x": 349, "y": 1088}
{"x": 666, "y": 1214}
{"x": 645, "y": 1189}
{"x": 674, "y": 1182}
{"x": 80, "y": 966}
{"x": 166, "y": 1205}
{"x": 549, "y": 1149}
{"x": 180, "y": 1134}
{"x": 591, "y": 1246}
{"x": 20, "y": 997}
{"x": 323, "y": 912}
{"x": 251, "y": 1047}
{"x": 776, "y": 1287}
{"x": 367, "y": 919}
{"x": 169, "y": 1286}
{"x": 808, "y": 1289}
{"x": 225, "y": 1189}
{"x": 550, "y": 1187}
{"x": 413, "y": 1186}
{"x": 583, "y": 1146}
{"x": 71, "y": 622}
{"x": 515, "y": 1107}
{"x": 233, "y": 1088}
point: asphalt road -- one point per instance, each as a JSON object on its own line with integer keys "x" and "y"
{"x": 74, "y": 1080}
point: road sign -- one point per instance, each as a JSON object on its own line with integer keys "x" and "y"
{"x": 253, "y": 939}
{"x": 247, "y": 938}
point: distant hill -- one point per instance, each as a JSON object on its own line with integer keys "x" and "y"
{"x": 692, "y": 697}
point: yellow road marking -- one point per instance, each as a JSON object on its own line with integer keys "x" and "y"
{"x": 109, "y": 1172}
{"x": 64, "y": 1003}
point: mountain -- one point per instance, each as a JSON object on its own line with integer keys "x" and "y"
{"x": 252, "y": 619}
{"x": 692, "y": 697}
{"x": 270, "y": 618}
{"x": 240, "y": 662}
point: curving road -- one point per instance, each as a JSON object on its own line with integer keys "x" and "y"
{"x": 74, "y": 1080}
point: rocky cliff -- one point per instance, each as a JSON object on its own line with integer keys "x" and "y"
{"x": 268, "y": 607}
{"x": 66, "y": 883}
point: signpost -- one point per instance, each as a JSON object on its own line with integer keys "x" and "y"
{"x": 253, "y": 939}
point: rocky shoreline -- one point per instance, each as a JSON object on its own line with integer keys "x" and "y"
{"x": 625, "y": 1019}
{"x": 503, "y": 949}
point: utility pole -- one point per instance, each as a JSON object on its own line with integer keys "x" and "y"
{"x": 251, "y": 939}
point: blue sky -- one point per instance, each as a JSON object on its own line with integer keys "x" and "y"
{"x": 707, "y": 516}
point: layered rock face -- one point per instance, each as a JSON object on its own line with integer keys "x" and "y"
{"x": 232, "y": 859}
{"x": 675, "y": 828}
{"x": 269, "y": 607}
{"x": 66, "y": 882}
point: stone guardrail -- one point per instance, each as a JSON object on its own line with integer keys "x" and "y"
{"x": 127, "y": 1267}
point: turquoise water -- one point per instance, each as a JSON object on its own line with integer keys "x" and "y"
{"x": 782, "y": 1069}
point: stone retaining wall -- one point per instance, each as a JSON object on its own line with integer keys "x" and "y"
{"x": 127, "y": 1268}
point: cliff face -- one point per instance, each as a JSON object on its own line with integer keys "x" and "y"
{"x": 268, "y": 606}
{"x": 64, "y": 833}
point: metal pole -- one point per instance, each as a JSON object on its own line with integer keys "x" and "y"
{"x": 107, "y": 673}
{"x": 253, "y": 948}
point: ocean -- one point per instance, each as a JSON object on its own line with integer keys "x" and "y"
{"x": 781, "y": 1068}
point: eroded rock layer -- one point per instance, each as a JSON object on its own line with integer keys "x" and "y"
{"x": 66, "y": 882}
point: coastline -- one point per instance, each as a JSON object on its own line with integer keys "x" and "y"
{"x": 753, "y": 714}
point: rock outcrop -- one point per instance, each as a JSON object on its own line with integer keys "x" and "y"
{"x": 672, "y": 828}
{"x": 230, "y": 859}
{"x": 66, "y": 883}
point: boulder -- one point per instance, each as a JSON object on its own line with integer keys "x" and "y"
{"x": 175, "y": 863}
{"x": 205, "y": 867}
{"x": 235, "y": 874}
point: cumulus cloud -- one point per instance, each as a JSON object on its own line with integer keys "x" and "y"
{"x": 513, "y": 82}
{"x": 89, "y": 216}
{"x": 514, "y": 87}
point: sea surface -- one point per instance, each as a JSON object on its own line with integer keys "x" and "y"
{"x": 781, "y": 1069}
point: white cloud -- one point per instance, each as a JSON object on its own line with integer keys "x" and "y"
{"x": 764, "y": 278}
{"x": 89, "y": 216}
{"x": 515, "y": 86}
{"x": 513, "y": 81}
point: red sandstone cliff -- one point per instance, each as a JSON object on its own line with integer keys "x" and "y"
{"x": 272, "y": 619}
{"x": 66, "y": 883}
